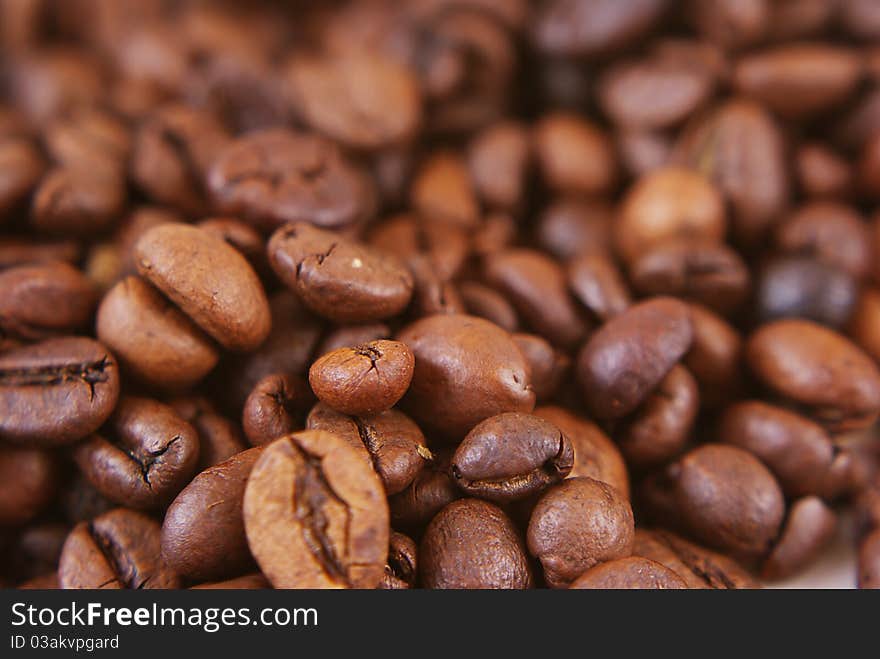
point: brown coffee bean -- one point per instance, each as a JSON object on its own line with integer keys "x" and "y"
{"x": 118, "y": 550}
{"x": 597, "y": 283}
{"x": 864, "y": 324}
{"x": 660, "y": 428}
{"x": 18, "y": 250}
{"x": 511, "y": 456}
{"x": 574, "y": 155}
{"x": 28, "y": 483}
{"x": 347, "y": 97}
{"x": 631, "y": 573}
{"x": 715, "y": 356}
{"x": 391, "y": 443}
{"x": 431, "y": 490}
{"x": 244, "y": 238}
{"x": 799, "y": 80}
{"x": 338, "y": 278}
{"x": 44, "y": 300}
{"x": 150, "y": 456}
{"x": 203, "y": 535}
{"x": 547, "y": 366}
{"x": 270, "y": 177}
{"x": 21, "y": 168}
{"x": 467, "y": 369}
{"x": 485, "y": 302}
{"x": 497, "y": 232}
{"x": 401, "y": 568}
{"x": 209, "y": 280}
{"x": 432, "y": 294}
{"x": 728, "y": 499}
{"x": 442, "y": 191}
{"x": 626, "y": 358}
{"x": 473, "y": 544}
{"x": 810, "y": 526}
{"x": 822, "y": 173}
{"x": 444, "y": 246}
{"x": 365, "y": 379}
{"x": 710, "y": 274}
{"x": 570, "y": 226}
{"x": 88, "y": 138}
{"x": 732, "y": 24}
{"x": 641, "y": 152}
{"x": 154, "y": 341}
{"x": 670, "y": 203}
{"x": 315, "y": 514}
{"x": 275, "y": 407}
{"x": 498, "y": 159}
{"x": 77, "y": 201}
{"x": 536, "y": 285}
{"x": 797, "y": 451}
{"x": 577, "y": 524}
{"x": 869, "y": 561}
{"x": 595, "y": 455}
{"x": 57, "y": 391}
{"x": 818, "y": 369}
{"x": 352, "y": 335}
{"x": 219, "y": 438}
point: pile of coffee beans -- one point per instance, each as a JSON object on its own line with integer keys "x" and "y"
{"x": 437, "y": 293}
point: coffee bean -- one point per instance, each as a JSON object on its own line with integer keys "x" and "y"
{"x": 56, "y": 392}
{"x": 869, "y": 561}
{"x": 511, "y": 456}
{"x": 365, "y": 379}
{"x": 345, "y": 336}
{"x": 203, "y": 536}
{"x": 473, "y": 544}
{"x": 219, "y": 437}
{"x": 571, "y": 225}
{"x": 597, "y": 283}
{"x": 118, "y": 550}
{"x": 822, "y": 173}
{"x": 442, "y": 191}
{"x": 275, "y": 407}
{"x": 244, "y": 238}
{"x": 21, "y": 167}
{"x": 715, "y": 356}
{"x": 631, "y": 573}
{"x": 547, "y": 366}
{"x": 76, "y": 201}
{"x": 17, "y": 250}
{"x": 270, "y": 177}
{"x": 573, "y": 154}
{"x": 339, "y": 278}
{"x": 430, "y": 491}
{"x": 467, "y": 369}
{"x": 401, "y": 569}
{"x": 577, "y": 524}
{"x": 485, "y": 302}
{"x": 626, "y": 358}
{"x": 28, "y": 483}
{"x": 315, "y": 514}
{"x": 445, "y": 246}
{"x": 808, "y": 529}
{"x": 498, "y": 159}
{"x": 209, "y": 280}
{"x": 816, "y": 368}
{"x": 390, "y": 442}
{"x": 148, "y": 454}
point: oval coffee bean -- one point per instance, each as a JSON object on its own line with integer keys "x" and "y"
{"x": 338, "y": 278}
{"x": 480, "y": 300}
{"x": 29, "y": 479}
{"x": 365, "y": 379}
{"x": 203, "y": 535}
{"x": 120, "y": 549}
{"x": 547, "y": 366}
{"x": 728, "y": 499}
{"x": 153, "y": 340}
{"x": 624, "y": 360}
{"x": 315, "y": 514}
{"x": 715, "y": 356}
{"x": 473, "y": 544}
{"x": 275, "y": 407}
{"x": 56, "y": 392}
{"x": 467, "y": 369}
{"x": 597, "y": 283}
{"x": 209, "y": 280}
{"x": 390, "y": 441}
{"x": 511, "y": 456}
{"x": 401, "y": 569}
{"x": 150, "y": 455}
{"x": 219, "y": 437}
{"x": 577, "y": 524}
{"x": 631, "y": 573}
{"x": 810, "y": 526}
{"x": 431, "y": 490}
{"x": 818, "y": 369}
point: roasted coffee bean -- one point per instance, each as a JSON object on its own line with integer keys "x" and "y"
{"x": 244, "y": 238}
{"x": 56, "y": 392}
{"x": 574, "y": 155}
{"x": 473, "y": 544}
{"x": 864, "y": 324}
{"x": 219, "y": 438}
{"x": 511, "y": 456}
{"x": 76, "y": 201}
{"x": 203, "y": 535}
{"x": 822, "y": 173}
{"x": 17, "y": 250}
{"x": 715, "y": 356}
{"x": 711, "y": 274}
{"x": 809, "y": 527}
{"x": 797, "y": 287}
{"x": 209, "y": 280}
{"x": 536, "y": 286}
{"x": 571, "y": 225}
{"x": 642, "y": 151}
{"x": 445, "y": 246}
{"x": 21, "y": 167}
{"x": 626, "y": 358}
{"x": 671, "y": 203}
{"x": 728, "y": 499}
{"x": 631, "y": 573}
{"x": 442, "y": 191}
{"x": 577, "y": 524}
{"x": 345, "y": 336}
{"x": 498, "y": 159}
{"x": 798, "y": 451}
{"x": 401, "y": 568}
{"x": 467, "y": 369}
{"x": 40, "y": 301}
{"x": 118, "y": 550}
{"x": 497, "y": 232}
{"x": 597, "y": 283}
{"x": 390, "y": 442}
{"x": 153, "y": 340}
{"x": 547, "y": 366}
{"x": 869, "y": 561}
{"x": 315, "y": 514}
{"x": 275, "y": 407}
{"x": 485, "y": 302}
{"x": 365, "y": 379}
{"x": 595, "y": 455}
{"x": 270, "y": 177}
{"x": 148, "y": 454}
{"x": 661, "y": 426}
{"x": 338, "y": 278}
{"x": 28, "y": 483}
{"x": 817, "y": 369}
{"x": 432, "y": 294}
